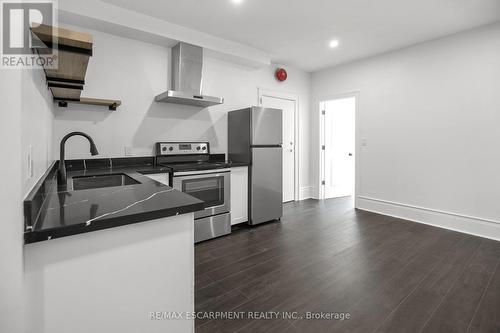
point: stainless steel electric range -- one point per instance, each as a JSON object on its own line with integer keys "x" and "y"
{"x": 193, "y": 172}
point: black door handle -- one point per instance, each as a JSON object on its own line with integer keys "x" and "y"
{"x": 350, "y": 154}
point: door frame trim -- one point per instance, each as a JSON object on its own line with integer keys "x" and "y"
{"x": 357, "y": 142}
{"x": 263, "y": 92}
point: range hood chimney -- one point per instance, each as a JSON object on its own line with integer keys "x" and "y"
{"x": 187, "y": 68}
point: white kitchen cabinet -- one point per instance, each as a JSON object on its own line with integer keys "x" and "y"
{"x": 97, "y": 273}
{"x": 239, "y": 195}
{"x": 159, "y": 177}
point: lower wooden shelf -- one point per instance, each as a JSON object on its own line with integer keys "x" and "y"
{"x": 111, "y": 104}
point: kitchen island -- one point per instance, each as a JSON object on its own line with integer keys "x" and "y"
{"x": 106, "y": 259}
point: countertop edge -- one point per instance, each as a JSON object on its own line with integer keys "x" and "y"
{"x": 108, "y": 223}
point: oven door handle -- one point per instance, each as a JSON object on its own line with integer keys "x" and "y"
{"x": 192, "y": 175}
{"x": 201, "y": 172}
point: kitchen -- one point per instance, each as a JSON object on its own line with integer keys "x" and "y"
{"x": 133, "y": 61}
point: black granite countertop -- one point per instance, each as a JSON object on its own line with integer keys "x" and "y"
{"x": 222, "y": 158}
{"x": 53, "y": 211}
{"x": 235, "y": 164}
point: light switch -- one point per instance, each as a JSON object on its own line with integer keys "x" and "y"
{"x": 30, "y": 162}
{"x": 364, "y": 142}
{"x": 128, "y": 151}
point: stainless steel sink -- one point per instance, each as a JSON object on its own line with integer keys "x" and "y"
{"x": 100, "y": 181}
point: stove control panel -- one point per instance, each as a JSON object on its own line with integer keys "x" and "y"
{"x": 182, "y": 148}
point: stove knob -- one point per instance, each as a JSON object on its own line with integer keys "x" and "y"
{"x": 170, "y": 148}
{"x": 198, "y": 148}
{"x": 204, "y": 148}
{"x": 164, "y": 149}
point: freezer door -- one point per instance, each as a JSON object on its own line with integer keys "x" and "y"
{"x": 238, "y": 135}
{"x": 266, "y": 126}
{"x": 266, "y": 185}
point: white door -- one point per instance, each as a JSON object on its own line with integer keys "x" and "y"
{"x": 339, "y": 141}
{"x": 288, "y": 107}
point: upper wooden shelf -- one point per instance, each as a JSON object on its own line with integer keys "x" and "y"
{"x": 74, "y": 50}
{"x": 64, "y": 37}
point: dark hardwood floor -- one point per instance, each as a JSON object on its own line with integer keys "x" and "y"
{"x": 390, "y": 275}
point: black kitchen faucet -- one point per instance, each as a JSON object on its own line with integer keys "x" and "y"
{"x": 61, "y": 176}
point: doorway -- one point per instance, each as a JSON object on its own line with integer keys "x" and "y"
{"x": 288, "y": 104}
{"x": 338, "y": 147}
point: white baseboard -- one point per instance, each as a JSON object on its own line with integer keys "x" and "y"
{"x": 476, "y": 226}
{"x": 306, "y": 192}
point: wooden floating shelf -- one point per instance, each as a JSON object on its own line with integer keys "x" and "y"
{"x": 111, "y": 104}
{"x": 74, "y": 50}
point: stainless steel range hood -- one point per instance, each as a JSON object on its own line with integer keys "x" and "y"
{"x": 187, "y": 68}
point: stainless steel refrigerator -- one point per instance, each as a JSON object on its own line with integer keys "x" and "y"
{"x": 255, "y": 137}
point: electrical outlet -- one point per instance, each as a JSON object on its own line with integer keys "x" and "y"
{"x": 128, "y": 151}
{"x": 30, "y": 162}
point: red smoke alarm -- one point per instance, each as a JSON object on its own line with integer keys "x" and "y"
{"x": 281, "y": 74}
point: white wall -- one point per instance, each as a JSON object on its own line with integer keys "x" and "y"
{"x": 135, "y": 72}
{"x": 26, "y": 120}
{"x": 36, "y": 125}
{"x": 11, "y": 246}
{"x": 430, "y": 115}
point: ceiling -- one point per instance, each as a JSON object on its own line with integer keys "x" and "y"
{"x": 297, "y": 32}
